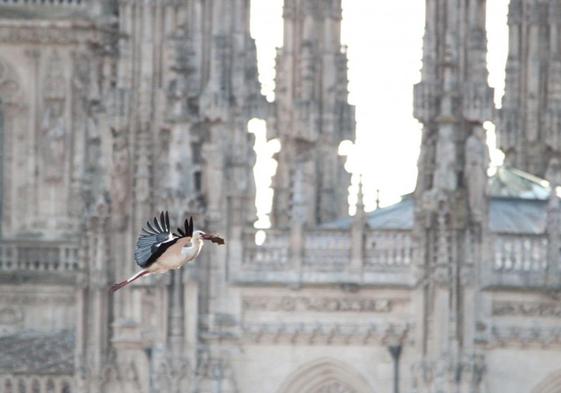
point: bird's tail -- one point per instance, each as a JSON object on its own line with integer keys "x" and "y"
{"x": 119, "y": 285}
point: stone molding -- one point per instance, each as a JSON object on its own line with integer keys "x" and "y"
{"x": 60, "y": 34}
{"x": 526, "y": 309}
{"x": 545, "y": 337}
{"x": 324, "y": 333}
{"x": 325, "y": 376}
{"x": 318, "y": 304}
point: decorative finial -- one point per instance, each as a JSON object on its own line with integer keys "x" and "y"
{"x": 360, "y": 197}
{"x": 377, "y": 198}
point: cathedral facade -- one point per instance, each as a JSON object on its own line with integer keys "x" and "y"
{"x": 112, "y": 110}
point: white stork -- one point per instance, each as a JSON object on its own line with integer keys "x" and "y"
{"x": 158, "y": 250}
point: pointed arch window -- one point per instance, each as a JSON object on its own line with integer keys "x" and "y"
{"x": 21, "y": 386}
{"x": 8, "y": 387}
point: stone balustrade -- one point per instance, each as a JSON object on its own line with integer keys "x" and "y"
{"x": 53, "y": 3}
{"x": 388, "y": 249}
{"x": 36, "y": 384}
{"x": 515, "y": 253}
{"x": 327, "y": 257}
{"x": 387, "y": 258}
{"x": 520, "y": 261}
{"x": 20, "y": 256}
{"x": 327, "y": 250}
{"x": 274, "y": 255}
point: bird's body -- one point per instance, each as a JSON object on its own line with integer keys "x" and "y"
{"x": 159, "y": 251}
{"x": 176, "y": 255}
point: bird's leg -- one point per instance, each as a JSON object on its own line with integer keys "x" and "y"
{"x": 119, "y": 285}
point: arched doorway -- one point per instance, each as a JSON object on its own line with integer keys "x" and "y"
{"x": 325, "y": 376}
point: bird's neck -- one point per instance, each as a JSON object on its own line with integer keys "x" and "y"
{"x": 196, "y": 244}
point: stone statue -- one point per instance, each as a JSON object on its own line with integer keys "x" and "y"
{"x": 120, "y": 174}
{"x": 475, "y": 172}
{"x": 299, "y": 197}
{"x": 553, "y": 172}
{"x": 53, "y": 133}
{"x": 308, "y": 72}
{"x": 445, "y": 175}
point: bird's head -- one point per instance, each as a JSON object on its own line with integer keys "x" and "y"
{"x": 200, "y": 235}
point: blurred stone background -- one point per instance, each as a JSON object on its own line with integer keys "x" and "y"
{"x": 112, "y": 110}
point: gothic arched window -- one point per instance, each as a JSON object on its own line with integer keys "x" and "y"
{"x": 66, "y": 387}
{"x": 50, "y": 386}
{"x": 35, "y": 388}
{"x": 8, "y": 386}
{"x": 21, "y": 386}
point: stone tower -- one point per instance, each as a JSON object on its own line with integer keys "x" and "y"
{"x": 530, "y": 119}
{"x": 311, "y": 115}
{"x": 182, "y": 87}
{"x": 452, "y": 101}
{"x": 110, "y": 111}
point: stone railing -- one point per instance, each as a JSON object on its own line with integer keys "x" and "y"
{"x": 520, "y": 261}
{"x": 387, "y": 258}
{"x": 327, "y": 256}
{"x": 520, "y": 253}
{"x": 388, "y": 249}
{"x": 328, "y": 251}
{"x": 272, "y": 256}
{"x": 16, "y": 255}
{"x": 36, "y": 384}
{"x": 53, "y": 3}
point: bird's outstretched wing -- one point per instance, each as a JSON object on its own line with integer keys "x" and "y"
{"x": 151, "y": 238}
{"x": 188, "y": 231}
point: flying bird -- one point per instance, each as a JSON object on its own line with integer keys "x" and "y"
{"x": 158, "y": 250}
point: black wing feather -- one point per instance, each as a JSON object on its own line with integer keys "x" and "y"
{"x": 189, "y": 227}
{"x": 150, "y": 228}
{"x": 168, "y": 227}
{"x": 157, "y": 225}
{"x": 188, "y": 231}
{"x": 152, "y": 240}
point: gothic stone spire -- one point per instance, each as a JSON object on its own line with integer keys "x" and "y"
{"x": 452, "y": 101}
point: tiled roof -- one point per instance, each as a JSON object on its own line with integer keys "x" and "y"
{"x": 37, "y": 353}
{"x": 518, "y": 206}
{"x": 513, "y": 183}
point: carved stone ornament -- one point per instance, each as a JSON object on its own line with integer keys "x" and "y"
{"x": 53, "y": 128}
{"x": 324, "y": 333}
{"x": 10, "y": 89}
{"x": 526, "y": 309}
{"x": 522, "y": 336}
{"x": 317, "y": 304}
{"x": 334, "y": 387}
{"x": 53, "y": 35}
{"x": 475, "y": 172}
{"x": 120, "y": 177}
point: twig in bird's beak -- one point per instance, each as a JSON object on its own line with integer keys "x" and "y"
{"x": 213, "y": 238}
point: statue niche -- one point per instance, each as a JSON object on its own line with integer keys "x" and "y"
{"x": 52, "y": 129}
{"x": 475, "y": 172}
{"x": 52, "y": 137}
